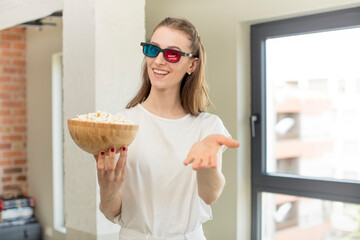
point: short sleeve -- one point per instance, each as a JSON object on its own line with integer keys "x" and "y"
{"x": 221, "y": 129}
{"x": 214, "y": 125}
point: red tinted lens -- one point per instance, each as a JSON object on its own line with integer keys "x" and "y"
{"x": 172, "y": 56}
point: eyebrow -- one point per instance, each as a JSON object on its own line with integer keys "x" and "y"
{"x": 167, "y": 46}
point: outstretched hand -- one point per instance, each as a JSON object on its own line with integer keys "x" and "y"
{"x": 203, "y": 154}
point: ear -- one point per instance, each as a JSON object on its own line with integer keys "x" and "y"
{"x": 193, "y": 65}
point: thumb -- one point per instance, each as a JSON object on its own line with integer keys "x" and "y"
{"x": 229, "y": 142}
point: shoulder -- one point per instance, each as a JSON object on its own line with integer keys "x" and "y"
{"x": 211, "y": 124}
{"x": 131, "y": 113}
{"x": 208, "y": 118}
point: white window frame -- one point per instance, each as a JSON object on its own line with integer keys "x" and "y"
{"x": 57, "y": 145}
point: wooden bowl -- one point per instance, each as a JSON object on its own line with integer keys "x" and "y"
{"x": 93, "y": 137}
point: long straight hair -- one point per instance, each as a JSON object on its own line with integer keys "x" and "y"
{"x": 194, "y": 89}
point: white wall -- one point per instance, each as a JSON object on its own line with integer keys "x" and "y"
{"x": 118, "y": 58}
{"x": 15, "y": 12}
{"x": 41, "y": 45}
{"x": 224, "y": 26}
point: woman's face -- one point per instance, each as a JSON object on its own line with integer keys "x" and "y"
{"x": 163, "y": 74}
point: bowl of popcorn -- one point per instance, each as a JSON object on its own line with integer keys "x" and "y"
{"x": 98, "y": 131}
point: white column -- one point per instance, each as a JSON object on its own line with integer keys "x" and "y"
{"x": 102, "y": 62}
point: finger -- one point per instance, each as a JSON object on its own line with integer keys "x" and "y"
{"x": 111, "y": 160}
{"x": 101, "y": 160}
{"x": 196, "y": 163}
{"x": 205, "y": 162}
{"x": 121, "y": 161}
{"x": 123, "y": 171}
{"x": 188, "y": 160}
{"x": 213, "y": 161}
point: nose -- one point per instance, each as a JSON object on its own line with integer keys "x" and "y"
{"x": 160, "y": 59}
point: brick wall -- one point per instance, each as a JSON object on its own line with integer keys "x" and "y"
{"x": 13, "y": 162}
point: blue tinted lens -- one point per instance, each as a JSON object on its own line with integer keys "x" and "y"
{"x": 151, "y": 50}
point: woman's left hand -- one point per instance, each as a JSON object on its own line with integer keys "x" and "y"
{"x": 203, "y": 154}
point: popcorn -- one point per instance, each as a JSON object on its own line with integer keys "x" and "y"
{"x": 103, "y": 117}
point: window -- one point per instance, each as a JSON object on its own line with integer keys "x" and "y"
{"x": 58, "y": 139}
{"x": 305, "y": 148}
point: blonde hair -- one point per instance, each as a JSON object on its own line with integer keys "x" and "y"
{"x": 194, "y": 89}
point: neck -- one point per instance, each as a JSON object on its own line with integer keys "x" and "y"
{"x": 165, "y": 104}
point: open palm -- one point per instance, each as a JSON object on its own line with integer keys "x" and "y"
{"x": 203, "y": 154}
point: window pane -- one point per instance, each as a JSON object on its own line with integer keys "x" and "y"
{"x": 289, "y": 217}
{"x": 313, "y": 110}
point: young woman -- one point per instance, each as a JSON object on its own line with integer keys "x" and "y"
{"x": 162, "y": 188}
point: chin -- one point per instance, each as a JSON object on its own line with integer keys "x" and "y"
{"x": 157, "y": 84}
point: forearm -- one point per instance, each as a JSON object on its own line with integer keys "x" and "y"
{"x": 210, "y": 184}
{"x": 110, "y": 205}
{"x": 206, "y": 159}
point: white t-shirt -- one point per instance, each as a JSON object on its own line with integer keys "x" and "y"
{"x": 159, "y": 194}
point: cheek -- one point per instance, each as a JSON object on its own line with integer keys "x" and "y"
{"x": 148, "y": 61}
{"x": 148, "y": 65}
{"x": 181, "y": 69}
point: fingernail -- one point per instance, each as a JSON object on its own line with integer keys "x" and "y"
{"x": 112, "y": 149}
{"x": 102, "y": 153}
{"x": 124, "y": 149}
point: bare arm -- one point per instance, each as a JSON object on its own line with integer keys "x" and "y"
{"x": 211, "y": 182}
{"x": 111, "y": 177}
{"x": 110, "y": 206}
{"x": 206, "y": 157}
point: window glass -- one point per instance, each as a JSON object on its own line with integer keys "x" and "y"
{"x": 289, "y": 217}
{"x": 313, "y": 111}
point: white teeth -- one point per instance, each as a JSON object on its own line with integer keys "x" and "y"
{"x": 160, "y": 72}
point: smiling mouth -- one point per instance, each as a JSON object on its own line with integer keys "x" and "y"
{"x": 160, "y": 72}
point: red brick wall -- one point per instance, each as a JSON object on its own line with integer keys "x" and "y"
{"x": 13, "y": 162}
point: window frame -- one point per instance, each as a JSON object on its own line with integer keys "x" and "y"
{"x": 261, "y": 181}
{"x": 58, "y": 126}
